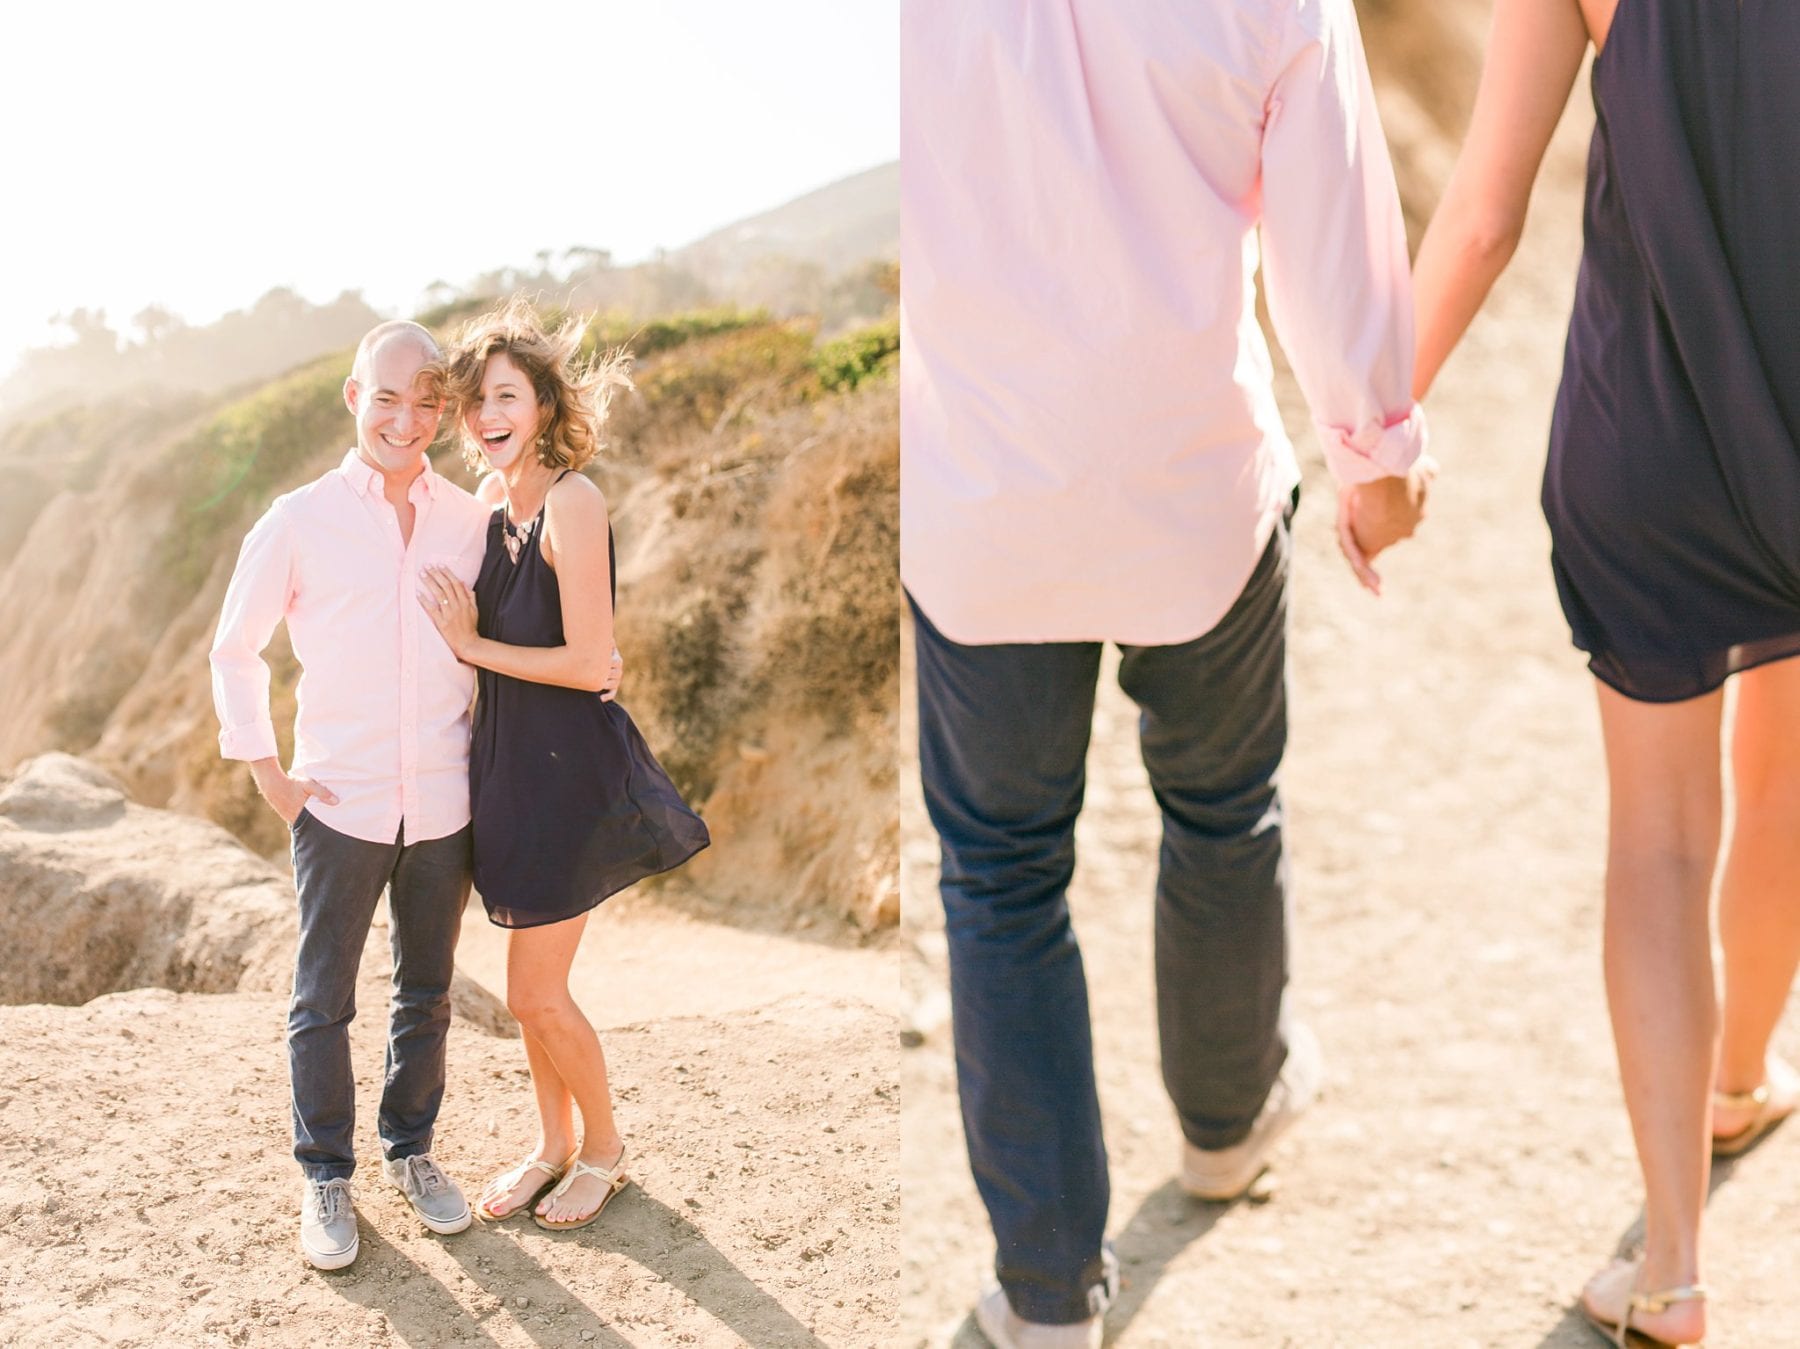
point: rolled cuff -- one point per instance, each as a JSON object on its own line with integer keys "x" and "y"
{"x": 1374, "y": 449}
{"x": 249, "y": 743}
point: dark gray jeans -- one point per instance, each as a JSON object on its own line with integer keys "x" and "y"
{"x": 1003, "y": 735}
{"x": 338, "y": 880}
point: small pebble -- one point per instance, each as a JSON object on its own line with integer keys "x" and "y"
{"x": 521, "y": 1301}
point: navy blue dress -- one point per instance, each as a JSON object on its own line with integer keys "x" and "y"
{"x": 1672, "y": 488}
{"x": 569, "y": 804}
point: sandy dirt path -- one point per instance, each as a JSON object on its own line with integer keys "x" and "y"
{"x": 148, "y": 1195}
{"x": 1470, "y": 1164}
{"x": 641, "y": 959}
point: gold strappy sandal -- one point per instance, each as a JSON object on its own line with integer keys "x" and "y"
{"x": 1767, "y": 1110}
{"x": 508, "y": 1181}
{"x": 1621, "y": 1335}
{"x": 615, "y": 1180}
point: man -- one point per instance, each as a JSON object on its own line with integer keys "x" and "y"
{"x": 378, "y": 794}
{"x": 1092, "y": 453}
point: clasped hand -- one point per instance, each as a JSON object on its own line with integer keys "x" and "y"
{"x": 1373, "y": 516}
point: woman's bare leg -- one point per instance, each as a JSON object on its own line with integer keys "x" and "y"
{"x": 556, "y": 1121}
{"x": 537, "y": 992}
{"x": 1663, "y": 842}
{"x": 1759, "y": 896}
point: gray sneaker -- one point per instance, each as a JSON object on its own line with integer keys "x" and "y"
{"x": 1006, "y": 1329}
{"x": 433, "y": 1195}
{"x": 1224, "y": 1174}
{"x": 328, "y": 1237}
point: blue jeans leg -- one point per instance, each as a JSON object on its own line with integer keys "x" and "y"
{"x": 1213, "y": 730}
{"x": 1003, "y": 735}
{"x": 337, "y": 881}
{"x": 426, "y": 896}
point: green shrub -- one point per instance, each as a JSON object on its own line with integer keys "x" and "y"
{"x": 846, "y": 362}
{"x": 647, "y": 338}
{"x": 444, "y": 319}
{"x": 228, "y": 471}
{"x": 696, "y": 385}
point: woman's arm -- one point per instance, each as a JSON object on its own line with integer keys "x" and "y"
{"x": 1534, "y": 53}
{"x": 575, "y": 542}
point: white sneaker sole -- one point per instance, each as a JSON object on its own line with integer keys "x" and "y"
{"x": 996, "y": 1336}
{"x": 448, "y": 1227}
{"x": 1226, "y": 1186}
{"x": 992, "y": 1323}
{"x": 993, "y": 1318}
{"x": 1226, "y": 1176}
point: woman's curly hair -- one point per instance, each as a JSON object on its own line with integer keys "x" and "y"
{"x": 573, "y": 393}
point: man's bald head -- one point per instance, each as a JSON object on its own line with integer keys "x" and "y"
{"x": 394, "y": 331}
{"x": 395, "y": 392}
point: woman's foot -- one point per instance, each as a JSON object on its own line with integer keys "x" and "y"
{"x": 586, "y": 1193}
{"x": 1667, "y": 1314}
{"x": 514, "y": 1191}
{"x": 1741, "y": 1117}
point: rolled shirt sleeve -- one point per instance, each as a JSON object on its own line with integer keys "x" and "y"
{"x": 255, "y": 602}
{"x": 1334, "y": 250}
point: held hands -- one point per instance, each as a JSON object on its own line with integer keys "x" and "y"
{"x": 286, "y": 794}
{"x": 1373, "y": 516}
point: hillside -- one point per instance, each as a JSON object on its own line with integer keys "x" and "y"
{"x": 836, "y": 227}
{"x": 753, "y": 482}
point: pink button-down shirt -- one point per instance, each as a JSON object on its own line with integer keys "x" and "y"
{"x": 1092, "y": 448}
{"x": 383, "y": 717}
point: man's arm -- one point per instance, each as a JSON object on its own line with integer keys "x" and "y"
{"x": 255, "y": 602}
{"x": 1340, "y": 294}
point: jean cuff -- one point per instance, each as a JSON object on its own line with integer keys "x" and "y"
{"x": 1045, "y": 1308}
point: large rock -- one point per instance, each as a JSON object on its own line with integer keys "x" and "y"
{"x": 99, "y": 894}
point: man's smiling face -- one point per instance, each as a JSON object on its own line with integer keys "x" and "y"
{"x": 396, "y": 402}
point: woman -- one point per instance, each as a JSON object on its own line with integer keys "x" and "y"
{"x": 1673, "y": 496}
{"x": 569, "y": 806}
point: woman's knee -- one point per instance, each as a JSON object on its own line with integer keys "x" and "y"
{"x": 539, "y": 1007}
{"x": 1766, "y": 808}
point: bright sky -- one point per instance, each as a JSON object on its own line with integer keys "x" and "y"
{"x": 196, "y": 153}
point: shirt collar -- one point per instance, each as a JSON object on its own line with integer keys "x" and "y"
{"x": 367, "y": 482}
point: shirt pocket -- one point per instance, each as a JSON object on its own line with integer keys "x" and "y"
{"x": 465, "y": 566}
